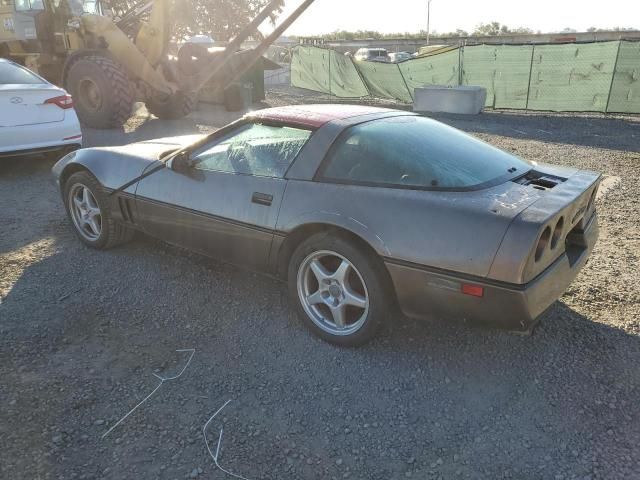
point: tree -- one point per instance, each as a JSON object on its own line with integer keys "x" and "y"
{"x": 458, "y": 33}
{"x": 493, "y": 29}
{"x": 614, "y": 29}
{"x": 490, "y": 29}
{"x": 221, "y": 19}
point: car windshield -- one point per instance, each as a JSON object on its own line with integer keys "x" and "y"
{"x": 10, "y": 73}
{"x": 414, "y": 151}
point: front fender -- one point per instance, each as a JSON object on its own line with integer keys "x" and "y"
{"x": 112, "y": 171}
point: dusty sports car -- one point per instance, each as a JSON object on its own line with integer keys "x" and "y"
{"x": 360, "y": 209}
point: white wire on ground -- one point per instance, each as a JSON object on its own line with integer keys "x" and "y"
{"x": 162, "y": 380}
{"x": 215, "y": 456}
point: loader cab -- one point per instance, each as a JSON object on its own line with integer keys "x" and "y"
{"x": 69, "y": 7}
{"x": 29, "y": 7}
{"x": 54, "y": 19}
{"x": 83, "y": 7}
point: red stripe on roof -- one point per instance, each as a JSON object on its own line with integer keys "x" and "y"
{"x": 313, "y": 116}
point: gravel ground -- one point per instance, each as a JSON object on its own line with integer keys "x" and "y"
{"x": 83, "y": 332}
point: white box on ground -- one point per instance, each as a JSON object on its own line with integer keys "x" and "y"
{"x": 467, "y": 100}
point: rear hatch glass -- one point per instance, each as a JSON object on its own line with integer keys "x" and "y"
{"x": 417, "y": 152}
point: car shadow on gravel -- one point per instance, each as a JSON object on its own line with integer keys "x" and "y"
{"x": 21, "y": 165}
{"x": 85, "y": 329}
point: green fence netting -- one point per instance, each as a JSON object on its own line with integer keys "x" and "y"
{"x": 503, "y": 70}
{"x": 384, "y": 80}
{"x": 440, "y": 69}
{"x": 596, "y": 77}
{"x": 573, "y": 77}
{"x": 625, "y": 89}
{"x": 310, "y": 69}
{"x": 346, "y": 81}
{"x": 326, "y": 71}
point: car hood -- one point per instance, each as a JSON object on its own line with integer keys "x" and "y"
{"x": 152, "y": 150}
{"x": 116, "y": 167}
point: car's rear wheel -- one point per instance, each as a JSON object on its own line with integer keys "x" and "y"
{"x": 88, "y": 209}
{"x": 339, "y": 289}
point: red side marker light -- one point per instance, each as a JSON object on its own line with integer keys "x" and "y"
{"x": 473, "y": 290}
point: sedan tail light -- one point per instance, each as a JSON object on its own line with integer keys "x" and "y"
{"x": 63, "y": 101}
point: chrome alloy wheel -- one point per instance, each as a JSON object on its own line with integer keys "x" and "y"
{"x": 333, "y": 293}
{"x": 85, "y": 212}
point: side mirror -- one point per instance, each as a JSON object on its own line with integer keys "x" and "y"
{"x": 182, "y": 163}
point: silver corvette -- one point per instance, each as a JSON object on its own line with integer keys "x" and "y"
{"x": 360, "y": 209}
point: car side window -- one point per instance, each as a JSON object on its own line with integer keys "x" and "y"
{"x": 254, "y": 149}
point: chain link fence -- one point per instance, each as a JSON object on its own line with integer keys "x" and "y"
{"x": 577, "y": 77}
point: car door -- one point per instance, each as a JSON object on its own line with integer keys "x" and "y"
{"x": 226, "y": 203}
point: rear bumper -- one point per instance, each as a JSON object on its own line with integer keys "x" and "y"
{"x": 426, "y": 292}
{"x": 64, "y": 147}
{"x": 41, "y": 137}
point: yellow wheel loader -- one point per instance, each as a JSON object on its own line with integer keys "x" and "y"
{"x": 109, "y": 61}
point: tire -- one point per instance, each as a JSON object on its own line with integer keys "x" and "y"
{"x": 4, "y": 51}
{"x": 110, "y": 232}
{"x": 366, "y": 278}
{"x": 177, "y": 106}
{"x": 102, "y": 93}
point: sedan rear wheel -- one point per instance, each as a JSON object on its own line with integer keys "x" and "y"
{"x": 339, "y": 289}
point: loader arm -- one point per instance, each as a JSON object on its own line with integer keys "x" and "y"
{"x": 226, "y": 67}
{"x": 154, "y": 35}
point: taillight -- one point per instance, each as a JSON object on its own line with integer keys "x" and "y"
{"x": 557, "y": 233}
{"x": 542, "y": 243}
{"x": 63, "y": 101}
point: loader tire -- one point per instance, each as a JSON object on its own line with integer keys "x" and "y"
{"x": 178, "y": 105}
{"x": 4, "y": 51}
{"x": 102, "y": 93}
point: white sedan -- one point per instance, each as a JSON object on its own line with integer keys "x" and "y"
{"x": 35, "y": 116}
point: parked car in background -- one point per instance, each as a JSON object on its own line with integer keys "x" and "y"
{"x": 358, "y": 208}
{"x": 35, "y": 116}
{"x": 398, "y": 57}
{"x": 372, "y": 55}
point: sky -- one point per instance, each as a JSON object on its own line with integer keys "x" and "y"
{"x": 325, "y": 16}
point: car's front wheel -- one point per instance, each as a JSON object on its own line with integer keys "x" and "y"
{"x": 88, "y": 209}
{"x": 339, "y": 289}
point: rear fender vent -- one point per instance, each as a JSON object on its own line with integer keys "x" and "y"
{"x": 539, "y": 181}
{"x": 126, "y": 210}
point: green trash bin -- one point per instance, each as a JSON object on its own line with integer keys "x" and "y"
{"x": 238, "y": 97}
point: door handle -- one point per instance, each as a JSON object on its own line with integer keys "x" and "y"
{"x": 262, "y": 198}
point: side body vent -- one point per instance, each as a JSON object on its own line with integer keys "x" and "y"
{"x": 540, "y": 181}
{"x": 126, "y": 210}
